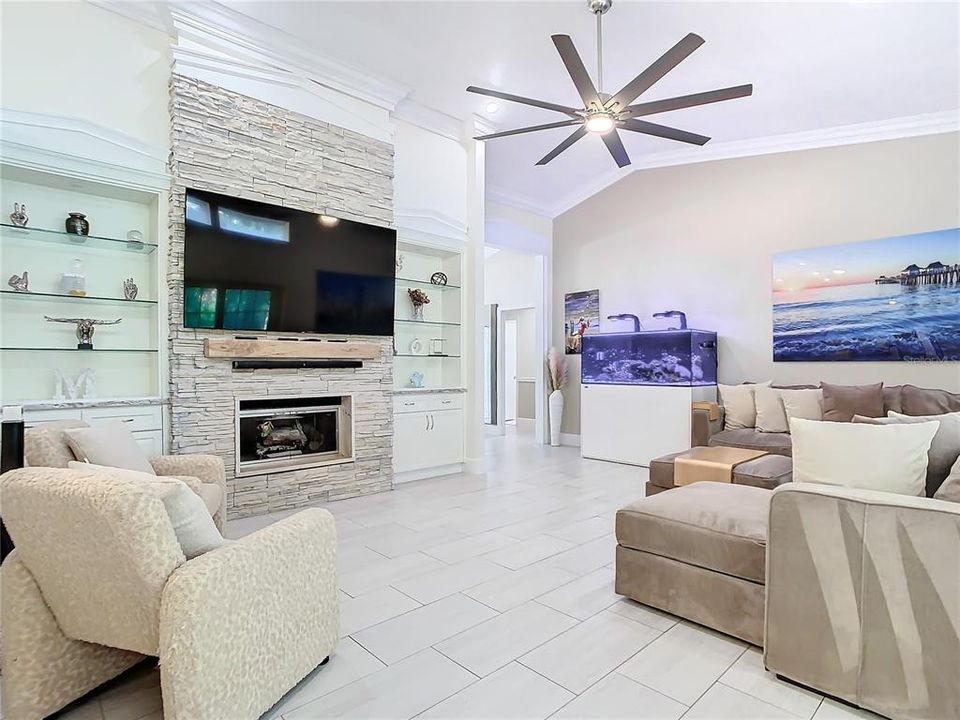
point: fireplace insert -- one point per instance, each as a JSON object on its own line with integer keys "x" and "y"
{"x": 291, "y": 433}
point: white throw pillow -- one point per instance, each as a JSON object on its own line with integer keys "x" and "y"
{"x": 191, "y": 520}
{"x": 771, "y": 417}
{"x": 110, "y": 444}
{"x": 950, "y": 490}
{"x": 739, "y": 406}
{"x": 889, "y": 458}
{"x": 803, "y": 404}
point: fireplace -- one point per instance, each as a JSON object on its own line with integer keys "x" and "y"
{"x": 284, "y": 433}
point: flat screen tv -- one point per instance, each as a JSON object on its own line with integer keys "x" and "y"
{"x": 250, "y": 266}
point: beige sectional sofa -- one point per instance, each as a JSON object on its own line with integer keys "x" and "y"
{"x": 853, "y": 592}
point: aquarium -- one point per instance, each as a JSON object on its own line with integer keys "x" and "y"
{"x": 654, "y": 357}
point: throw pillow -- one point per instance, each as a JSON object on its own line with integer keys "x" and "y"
{"x": 771, "y": 417}
{"x": 110, "y": 444}
{"x": 950, "y": 490}
{"x": 804, "y": 404}
{"x": 739, "y": 406}
{"x": 842, "y": 402}
{"x": 889, "y": 458}
{"x": 944, "y": 449}
{"x": 921, "y": 401}
{"x": 191, "y": 520}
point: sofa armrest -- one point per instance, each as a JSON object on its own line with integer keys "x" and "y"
{"x": 863, "y": 597}
{"x": 206, "y": 468}
{"x": 264, "y": 607}
{"x": 704, "y": 423}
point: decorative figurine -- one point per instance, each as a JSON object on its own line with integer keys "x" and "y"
{"x": 130, "y": 289}
{"x": 66, "y": 388}
{"x": 135, "y": 236}
{"x": 20, "y": 283}
{"x": 416, "y": 347}
{"x": 436, "y": 346}
{"x": 85, "y": 328}
{"x": 399, "y": 262}
{"x": 19, "y": 215}
{"x": 75, "y": 282}
{"x": 77, "y": 224}
{"x": 416, "y": 380}
{"x": 419, "y": 299}
{"x": 438, "y": 278}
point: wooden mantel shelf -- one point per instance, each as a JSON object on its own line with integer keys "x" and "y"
{"x": 299, "y": 349}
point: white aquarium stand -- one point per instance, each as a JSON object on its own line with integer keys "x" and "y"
{"x": 634, "y": 424}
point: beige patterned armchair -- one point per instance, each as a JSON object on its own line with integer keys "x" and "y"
{"x": 98, "y": 581}
{"x": 46, "y": 446}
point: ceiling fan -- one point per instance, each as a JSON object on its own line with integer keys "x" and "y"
{"x": 605, "y": 114}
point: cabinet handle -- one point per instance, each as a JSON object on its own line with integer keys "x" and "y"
{"x": 427, "y": 418}
{"x": 409, "y": 404}
{"x": 127, "y": 420}
{"x": 446, "y": 402}
{"x": 431, "y": 421}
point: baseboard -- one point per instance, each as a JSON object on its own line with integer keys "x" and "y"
{"x": 570, "y": 439}
{"x": 411, "y": 475}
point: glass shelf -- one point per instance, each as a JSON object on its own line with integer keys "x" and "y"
{"x": 83, "y": 298}
{"x": 73, "y": 349}
{"x": 75, "y": 241}
{"x": 425, "y": 284}
{"x": 424, "y": 355}
{"x": 425, "y": 322}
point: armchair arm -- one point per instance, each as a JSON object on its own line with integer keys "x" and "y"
{"x": 264, "y": 607}
{"x": 704, "y": 423}
{"x": 863, "y": 597}
{"x": 206, "y": 468}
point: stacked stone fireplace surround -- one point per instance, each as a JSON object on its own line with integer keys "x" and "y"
{"x": 235, "y": 145}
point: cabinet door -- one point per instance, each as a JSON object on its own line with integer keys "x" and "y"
{"x": 151, "y": 441}
{"x": 446, "y": 437}
{"x": 410, "y": 442}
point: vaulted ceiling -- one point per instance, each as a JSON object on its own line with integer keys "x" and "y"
{"x": 815, "y": 67}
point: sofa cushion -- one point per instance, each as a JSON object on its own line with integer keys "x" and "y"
{"x": 842, "y": 402}
{"x": 920, "y": 401}
{"x": 777, "y": 443}
{"x": 715, "y": 526}
{"x": 661, "y": 470}
{"x": 769, "y": 471}
{"x": 771, "y": 417}
{"x": 211, "y": 494}
{"x": 893, "y": 398}
{"x": 950, "y": 489}
{"x": 46, "y": 445}
{"x": 109, "y": 444}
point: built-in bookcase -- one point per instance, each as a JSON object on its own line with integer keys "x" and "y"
{"x": 442, "y": 317}
{"x": 126, "y": 357}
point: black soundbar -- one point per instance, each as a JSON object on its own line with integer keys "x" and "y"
{"x": 294, "y": 364}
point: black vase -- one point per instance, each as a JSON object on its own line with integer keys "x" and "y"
{"x": 77, "y": 224}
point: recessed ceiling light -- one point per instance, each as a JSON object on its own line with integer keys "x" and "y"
{"x": 492, "y": 107}
{"x": 328, "y": 220}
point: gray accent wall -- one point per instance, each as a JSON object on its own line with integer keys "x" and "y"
{"x": 700, "y": 237}
{"x": 235, "y": 145}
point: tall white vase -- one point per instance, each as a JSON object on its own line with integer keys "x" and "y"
{"x": 555, "y": 402}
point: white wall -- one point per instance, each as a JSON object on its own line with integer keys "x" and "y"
{"x": 75, "y": 60}
{"x": 514, "y": 229}
{"x": 509, "y": 280}
{"x": 431, "y": 174}
{"x": 699, "y": 238}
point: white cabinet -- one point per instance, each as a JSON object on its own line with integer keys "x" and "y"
{"x": 428, "y": 433}
{"x": 634, "y": 424}
{"x": 144, "y": 422}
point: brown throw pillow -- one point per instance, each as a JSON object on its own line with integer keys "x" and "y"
{"x": 920, "y": 401}
{"x": 842, "y": 402}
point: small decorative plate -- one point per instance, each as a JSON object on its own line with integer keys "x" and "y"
{"x": 416, "y": 347}
{"x": 438, "y": 278}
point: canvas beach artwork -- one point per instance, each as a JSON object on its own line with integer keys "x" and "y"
{"x": 581, "y": 316}
{"x": 895, "y": 299}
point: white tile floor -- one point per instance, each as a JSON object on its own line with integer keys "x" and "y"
{"x": 492, "y": 597}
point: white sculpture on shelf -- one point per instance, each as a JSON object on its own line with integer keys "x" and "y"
{"x": 70, "y": 388}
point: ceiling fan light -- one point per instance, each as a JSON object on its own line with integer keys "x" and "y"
{"x": 601, "y": 123}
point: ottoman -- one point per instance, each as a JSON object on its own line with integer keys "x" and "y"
{"x": 698, "y": 552}
{"x": 766, "y": 472}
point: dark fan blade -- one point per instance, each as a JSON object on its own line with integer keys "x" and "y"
{"x": 524, "y": 101}
{"x": 648, "y": 128}
{"x": 660, "y": 67}
{"x": 532, "y": 128}
{"x": 615, "y": 146}
{"x": 578, "y": 73}
{"x": 685, "y": 101}
{"x": 577, "y": 134}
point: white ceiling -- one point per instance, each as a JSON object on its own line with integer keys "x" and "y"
{"x": 813, "y": 66}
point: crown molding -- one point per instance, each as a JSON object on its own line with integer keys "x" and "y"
{"x": 424, "y": 221}
{"x": 893, "y": 129}
{"x": 502, "y": 196}
{"x": 414, "y": 113}
{"x": 66, "y": 145}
